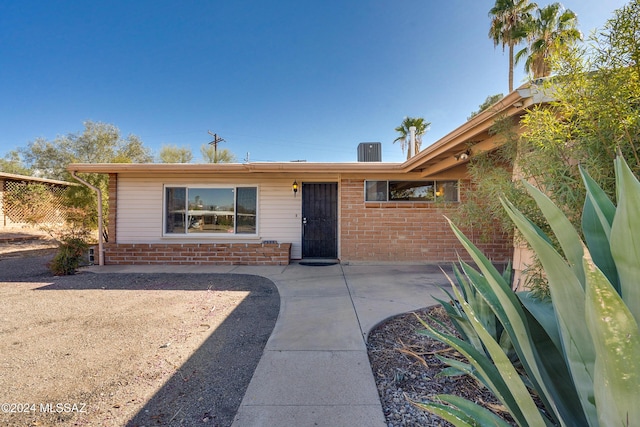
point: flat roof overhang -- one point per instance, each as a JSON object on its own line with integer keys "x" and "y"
{"x": 238, "y": 168}
{"x": 16, "y": 177}
{"x": 443, "y": 156}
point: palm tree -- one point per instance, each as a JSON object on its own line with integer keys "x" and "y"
{"x": 508, "y": 26}
{"x": 421, "y": 128}
{"x": 552, "y": 29}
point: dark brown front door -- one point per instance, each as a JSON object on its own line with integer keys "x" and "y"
{"x": 319, "y": 220}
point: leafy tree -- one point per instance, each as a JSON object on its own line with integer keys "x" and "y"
{"x": 11, "y": 163}
{"x": 97, "y": 143}
{"x": 596, "y": 114}
{"x": 508, "y": 26}
{"x": 422, "y": 127}
{"x": 211, "y": 155}
{"x": 170, "y": 153}
{"x": 491, "y": 99}
{"x": 552, "y": 29}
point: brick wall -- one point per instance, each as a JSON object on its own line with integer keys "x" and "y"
{"x": 406, "y": 231}
{"x": 198, "y": 253}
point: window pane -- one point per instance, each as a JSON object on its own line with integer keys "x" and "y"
{"x": 246, "y": 210}
{"x": 375, "y": 191}
{"x": 447, "y": 191}
{"x": 211, "y": 210}
{"x": 175, "y": 220}
{"x": 411, "y": 190}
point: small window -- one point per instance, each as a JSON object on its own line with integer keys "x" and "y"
{"x": 411, "y": 191}
{"x": 246, "y": 210}
{"x": 375, "y": 191}
{"x": 447, "y": 191}
{"x": 209, "y": 210}
{"x": 174, "y": 208}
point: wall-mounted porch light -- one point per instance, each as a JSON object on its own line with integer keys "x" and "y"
{"x": 294, "y": 187}
{"x": 463, "y": 156}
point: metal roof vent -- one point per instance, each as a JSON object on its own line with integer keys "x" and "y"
{"x": 370, "y": 152}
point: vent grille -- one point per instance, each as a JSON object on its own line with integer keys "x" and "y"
{"x": 370, "y": 152}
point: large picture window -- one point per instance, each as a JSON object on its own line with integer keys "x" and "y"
{"x": 210, "y": 210}
{"x": 411, "y": 191}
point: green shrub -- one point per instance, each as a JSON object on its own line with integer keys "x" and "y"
{"x": 580, "y": 349}
{"x": 70, "y": 253}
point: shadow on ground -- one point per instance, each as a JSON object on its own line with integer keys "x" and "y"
{"x": 209, "y": 387}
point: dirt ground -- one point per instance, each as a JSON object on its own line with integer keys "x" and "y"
{"x": 126, "y": 349}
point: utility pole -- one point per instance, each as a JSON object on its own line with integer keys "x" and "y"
{"x": 216, "y": 140}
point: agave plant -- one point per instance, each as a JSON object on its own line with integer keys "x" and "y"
{"x": 580, "y": 350}
{"x": 482, "y": 311}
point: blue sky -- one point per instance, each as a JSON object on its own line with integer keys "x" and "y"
{"x": 282, "y": 80}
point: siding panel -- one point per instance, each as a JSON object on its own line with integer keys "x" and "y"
{"x": 140, "y": 210}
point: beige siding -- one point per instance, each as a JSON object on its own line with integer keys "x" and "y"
{"x": 140, "y": 210}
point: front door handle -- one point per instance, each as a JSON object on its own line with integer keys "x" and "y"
{"x": 304, "y": 220}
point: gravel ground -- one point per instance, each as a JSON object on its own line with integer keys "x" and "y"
{"x": 208, "y": 386}
{"x": 127, "y": 349}
{"x": 404, "y": 366}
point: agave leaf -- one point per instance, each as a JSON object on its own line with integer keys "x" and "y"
{"x": 451, "y": 372}
{"x": 448, "y": 413}
{"x": 486, "y": 371}
{"x": 597, "y": 241}
{"x": 449, "y": 307}
{"x": 562, "y": 228}
{"x": 457, "y": 366}
{"x": 605, "y": 209}
{"x": 480, "y": 306}
{"x": 464, "y": 285}
{"x": 480, "y": 415}
{"x": 597, "y": 217}
{"x": 507, "y": 273}
{"x": 617, "y": 341}
{"x": 458, "y": 320}
{"x": 507, "y": 347}
{"x": 567, "y": 294}
{"x": 544, "y": 365}
{"x": 484, "y": 416}
{"x": 477, "y": 370}
{"x": 543, "y": 312}
{"x": 625, "y": 239}
{"x": 464, "y": 328}
{"x": 526, "y": 405}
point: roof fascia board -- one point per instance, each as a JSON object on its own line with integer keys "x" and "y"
{"x": 16, "y": 177}
{"x": 477, "y": 124}
{"x": 481, "y": 147}
{"x": 238, "y": 168}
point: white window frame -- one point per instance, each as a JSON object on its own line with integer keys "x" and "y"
{"x": 219, "y": 236}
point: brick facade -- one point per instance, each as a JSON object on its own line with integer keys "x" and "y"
{"x": 198, "y": 253}
{"x": 369, "y": 231}
{"x": 404, "y": 231}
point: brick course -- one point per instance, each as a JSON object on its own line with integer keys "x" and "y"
{"x": 405, "y": 231}
{"x": 198, "y": 253}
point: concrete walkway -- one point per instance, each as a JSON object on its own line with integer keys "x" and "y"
{"x": 315, "y": 370}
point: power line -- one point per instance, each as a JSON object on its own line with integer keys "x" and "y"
{"x": 215, "y": 142}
